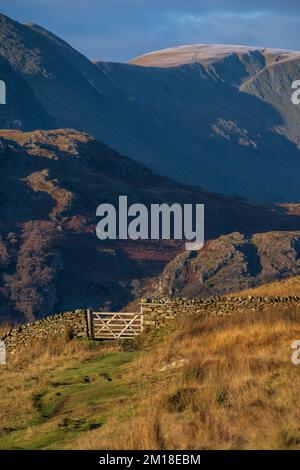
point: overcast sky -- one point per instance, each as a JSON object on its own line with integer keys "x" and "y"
{"x": 119, "y": 30}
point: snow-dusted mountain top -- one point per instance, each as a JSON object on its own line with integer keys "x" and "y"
{"x": 205, "y": 53}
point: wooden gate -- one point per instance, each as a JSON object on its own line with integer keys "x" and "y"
{"x": 114, "y": 325}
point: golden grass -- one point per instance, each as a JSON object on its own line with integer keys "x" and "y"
{"x": 3, "y": 329}
{"x": 290, "y": 286}
{"x": 237, "y": 390}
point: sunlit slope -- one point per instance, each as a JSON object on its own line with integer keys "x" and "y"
{"x": 289, "y": 286}
{"x": 201, "y": 383}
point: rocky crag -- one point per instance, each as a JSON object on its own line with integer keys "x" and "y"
{"x": 231, "y": 263}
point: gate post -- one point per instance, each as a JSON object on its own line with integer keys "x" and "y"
{"x": 90, "y": 326}
{"x": 142, "y": 318}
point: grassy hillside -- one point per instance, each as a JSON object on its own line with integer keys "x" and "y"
{"x": 207, "y": 383}
{"x": 289, "y": 286}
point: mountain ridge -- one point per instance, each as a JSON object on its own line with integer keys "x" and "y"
{"x": 193, "y": 53}
{"x": 211, "y": 125}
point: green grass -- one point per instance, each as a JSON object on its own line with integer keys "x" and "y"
{"x": 75, "y": 400}
{"x": 236, "y": 389}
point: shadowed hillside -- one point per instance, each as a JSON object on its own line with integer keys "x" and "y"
{"x": 51, "y": 183}
{"x": 218, "y": 117}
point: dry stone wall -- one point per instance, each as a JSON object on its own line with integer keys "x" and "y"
{"x": 71, "y": 323}
{"x": 158, "y": 312}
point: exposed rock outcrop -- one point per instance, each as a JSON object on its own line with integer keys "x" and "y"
{"x": 231, "y": 263}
